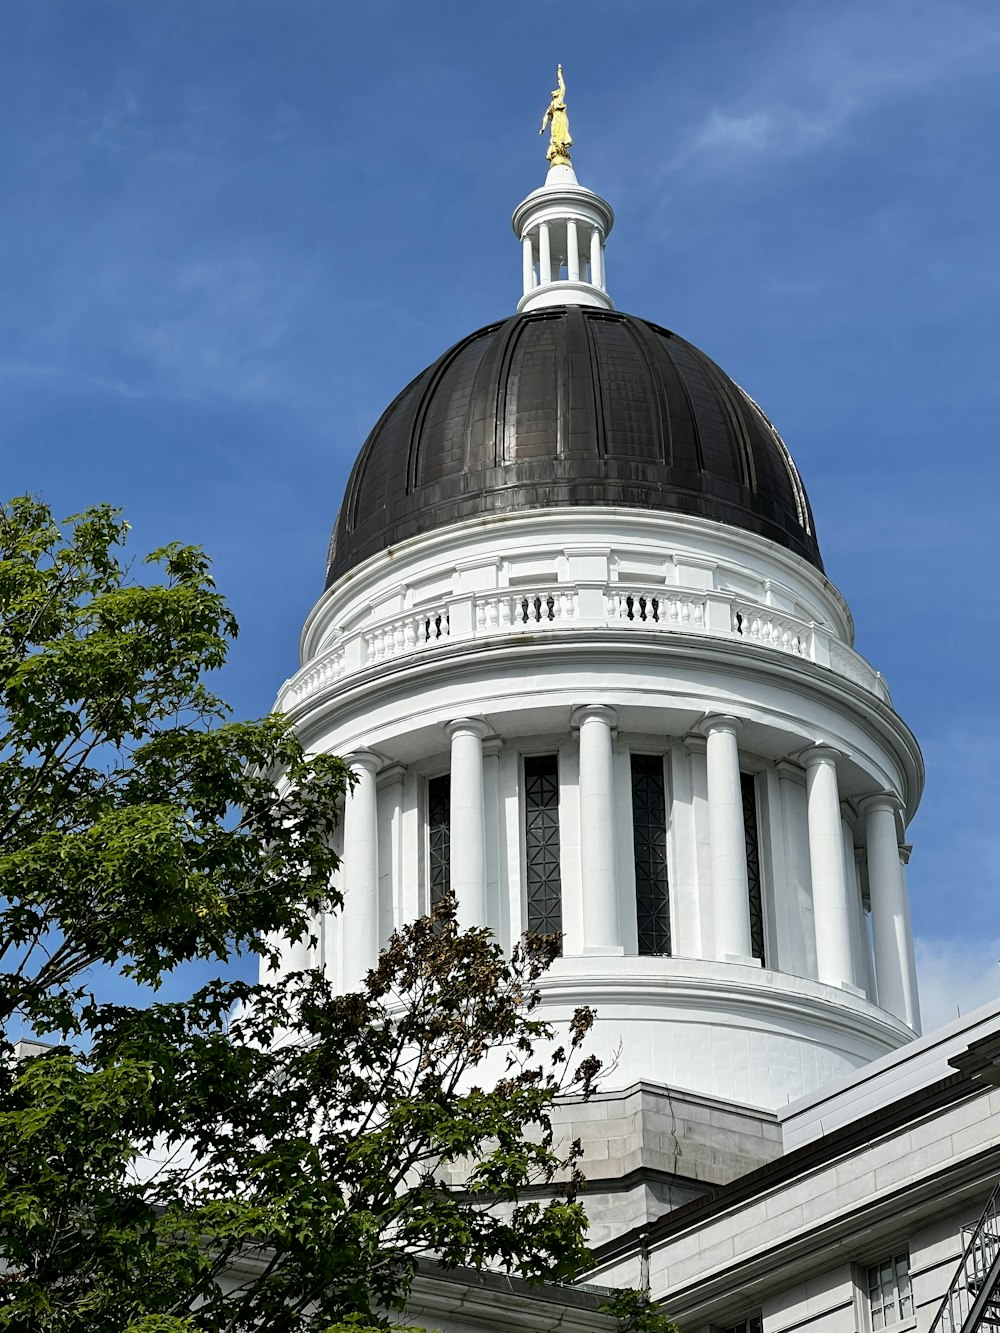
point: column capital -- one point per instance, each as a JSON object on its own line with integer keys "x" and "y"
{"x": 467, "y": 726}
{"x": 880, "y": 800}
{"x": 492, "y": 746}
{"x": 905, "y": 852}
{"x": 593, "y": 713}
{"x": 367, "y": 760}
{"x": 790, "y": 770}
{"x": 694, "y": 744}
{"x": 391, "y": 773}
{"x": 720, "y": 722}
{"x": 819, "y": 754}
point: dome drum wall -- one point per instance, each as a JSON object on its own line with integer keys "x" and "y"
{"x": 772, "y": 1031}
{"x": 575, "y": 407}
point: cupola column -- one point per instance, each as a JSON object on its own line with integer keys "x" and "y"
{"x": 596, "y": 260}
{"x": 831, "y": 904}
{"x": 529, "y": 264}
{"x": 897, "y": 990}
{"x": 544, "y": 254}
{"x": 360, "y": 916}
{"x": 572, "y": 251}
{"x": 598, "y": 858}
{"x": 727, "y": 840}
{"x": 468, "y": 821}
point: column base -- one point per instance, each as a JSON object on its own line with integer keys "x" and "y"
{"x": 741, "y": 959}
{"x": 852, "y": 990}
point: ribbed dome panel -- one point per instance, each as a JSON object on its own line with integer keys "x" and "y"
{"x": 570, "y": 406}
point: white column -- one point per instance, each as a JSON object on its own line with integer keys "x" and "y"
{"x": 831, "y": 905}
{"x": 797, "y": 909}
{"x": 491, "y": 807}
{"x": 468, "y": 826}
{"x": 890, "y": 915}
{"x": 572, "y": 252}
{"x": 360, "y": 915}
{"x": 596, "y": 260}
{"x": 544, "y": 254}
{"x": 730, "y": 888}
{"x": 528, "y": 264}
{"x": 601, "y": 924}
{"x": 905, "y": 851}
{"x": 296, "y": 955}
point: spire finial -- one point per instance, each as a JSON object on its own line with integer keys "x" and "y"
{"x": 559, "y": 139}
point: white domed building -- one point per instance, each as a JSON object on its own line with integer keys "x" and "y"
{"x": 579, "y": 646}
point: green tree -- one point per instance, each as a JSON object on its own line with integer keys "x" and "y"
{"x": 255, "y": 1156}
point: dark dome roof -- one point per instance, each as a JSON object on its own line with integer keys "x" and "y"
{"x": 570, "y": 406}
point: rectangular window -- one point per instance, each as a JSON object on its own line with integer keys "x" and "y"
{"x": 751, "y": 829}
{"x": 649, "y": 835}
{"x": 541, "y": 844}
{"x": 890, "y": 1299}
{"x": 439, "y": 837}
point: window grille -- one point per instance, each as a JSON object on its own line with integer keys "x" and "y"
{"x": 751, "y": 829}
{"x": 439, "y": 837}
{"x": 541, "y": 839}
{"x": 890, "y": 1298}
{"x": 649, "y": 834}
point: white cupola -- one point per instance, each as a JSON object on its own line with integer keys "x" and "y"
{"x": 562, "y": 227}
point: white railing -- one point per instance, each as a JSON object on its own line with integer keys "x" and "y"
{"x": 660, "y": 608}
{"x": 405, "y": 634}
{"x": 510, "y": 610}
{"x": 325, "y": 670}
{"x": 762, "y": 625}
{"x": 565, "y": 606}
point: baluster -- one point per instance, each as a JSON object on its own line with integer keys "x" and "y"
{"x": 491, "y": 613}
{"x": 505, "y": 616}
{"x": 398, "y": 638}
{"x": 480, "y": 616}
{"x": 409, "y": 634}
{"x": 445, "y": 623}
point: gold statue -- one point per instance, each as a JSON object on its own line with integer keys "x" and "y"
{"x": 559, "y": 141}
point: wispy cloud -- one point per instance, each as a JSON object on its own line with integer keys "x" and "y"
{"x": 955, "y": 976}
{"x": 825, "y": 70}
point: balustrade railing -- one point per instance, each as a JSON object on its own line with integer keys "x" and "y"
{"x": 764, "y": 626}
{"x": 405, "y": 634}
{"x": 510, "y": 610}
{"x": 564, "y": 606}
{"x": 637, "y": 607}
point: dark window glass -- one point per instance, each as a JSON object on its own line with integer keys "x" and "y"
{"x": 439, "y": 837}
{"x": 751, "y": 830}
{"x": 649, "y": 832}
{"x": 541, "y": 821}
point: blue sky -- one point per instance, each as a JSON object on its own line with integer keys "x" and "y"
{"x": 232, "y": 229}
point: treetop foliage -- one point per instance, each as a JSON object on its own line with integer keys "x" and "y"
{"x": 270, "y": 1156}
